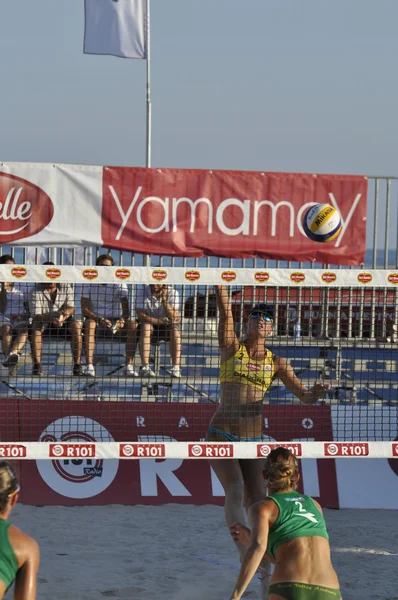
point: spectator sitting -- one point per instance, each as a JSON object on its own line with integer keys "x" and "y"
{"x": 13, "y": 316}
{"x": 157, "y": 309}
{"x": 52, "y": 307}
{"x": 106, "y": 309}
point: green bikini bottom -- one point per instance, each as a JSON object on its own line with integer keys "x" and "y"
{"x": 293, "y": 590}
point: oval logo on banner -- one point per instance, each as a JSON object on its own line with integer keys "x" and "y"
{"x": 122, "y": 273}
{"x": 159, "y": 274}
{"x": 192, "y": 275}
{"x": 53, "y": 273}
{"x": 365, "y": 277}
{"x": 18, "y": 272}
{"x": 25, "y": 208}
{"x": 297, "y": 277}
{"x": 228, "y": 276}
{"x": 90, "y": 274}
{"x": 261, "y": 276}
{"x": 77, "y": 478}
{"x": 393, "y": 278}
{"x": 329, "y": 277}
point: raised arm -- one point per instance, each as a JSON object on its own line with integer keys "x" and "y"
{"x": 285, "y": 372}
{"x": 259, "y": 517}
{"x": 227, "y": 338}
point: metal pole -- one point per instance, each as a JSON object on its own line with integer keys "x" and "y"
{"x": 148, "y": 85}
{"x": 148, "y": 150}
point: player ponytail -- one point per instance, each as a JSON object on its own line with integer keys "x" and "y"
{"x": 8, "y": 484}
{"x": 281, "y": 470}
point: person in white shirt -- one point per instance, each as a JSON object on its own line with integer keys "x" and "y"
{"x": 158, "y": 312}
{"x": 14, "y": 317}
{"x": 106, "y": 309}
{"x": 52, "y": 308}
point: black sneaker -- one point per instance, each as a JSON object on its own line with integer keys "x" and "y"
{"x": 11, "y": 360}
{"x": 77, "y": 370}
{"x": 37, "y": 370}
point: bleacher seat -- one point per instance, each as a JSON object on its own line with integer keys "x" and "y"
{"x": 373, "y": 372}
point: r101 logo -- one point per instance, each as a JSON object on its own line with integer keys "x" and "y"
{"x": 210, "y": 450}
{"x": 12, "y": 451}
{"x": 142, "y": 451}
{"x": 347, "y": 449}
{"x": 72, "y": 451}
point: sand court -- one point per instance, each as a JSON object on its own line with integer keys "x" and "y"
{"x": 182, "y": 552}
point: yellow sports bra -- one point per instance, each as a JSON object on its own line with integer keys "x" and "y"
{"x": 240, "y": 368}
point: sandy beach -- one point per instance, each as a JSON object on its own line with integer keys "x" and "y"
{"x": 184, "y": 552}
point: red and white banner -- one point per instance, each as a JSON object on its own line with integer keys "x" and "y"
{"x": 142, "y": 472}
{"x": 74, "y": 430}
{"x": 182, "y": 212}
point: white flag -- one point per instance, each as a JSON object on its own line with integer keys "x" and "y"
{"x": 115, "y": 27}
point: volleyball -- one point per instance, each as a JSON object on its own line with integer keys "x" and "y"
{"x": 322, "y": 223}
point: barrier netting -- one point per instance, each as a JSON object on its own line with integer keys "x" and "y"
{"x": 139, "y": 349}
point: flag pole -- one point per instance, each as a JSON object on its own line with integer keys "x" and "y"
{"x": 148, "y": 151}
{"x": 148, "y": 157}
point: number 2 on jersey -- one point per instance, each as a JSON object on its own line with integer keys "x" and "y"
{"x": 304, "y": 513}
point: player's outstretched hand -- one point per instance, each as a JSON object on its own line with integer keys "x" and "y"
{"x": 240, "y": 533}
{"x": 316, "y": 392}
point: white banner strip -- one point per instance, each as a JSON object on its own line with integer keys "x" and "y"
{"x": 194, "y": 450}
{"x": 202, "y": 276}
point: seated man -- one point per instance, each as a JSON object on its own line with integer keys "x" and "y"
{"x": 106, "y": 309}
{"x": 52, "y": 307}
{"x": 14, "y": 318}
{"x": 157, "y": 309}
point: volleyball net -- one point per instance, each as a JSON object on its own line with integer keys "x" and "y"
{"x": 95, "y": 366}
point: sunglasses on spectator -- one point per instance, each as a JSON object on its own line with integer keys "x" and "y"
{"x": 259, "y": 314}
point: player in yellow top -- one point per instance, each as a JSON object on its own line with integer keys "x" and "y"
{"x": 247, "y": 371}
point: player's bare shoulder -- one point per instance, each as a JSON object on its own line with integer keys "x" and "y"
{"x": 24, "y": 546}
{"x": 265, "y": 507}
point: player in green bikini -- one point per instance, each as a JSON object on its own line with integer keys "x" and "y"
{"x": 19, "y": 553}
{"x": 289, "y": 530}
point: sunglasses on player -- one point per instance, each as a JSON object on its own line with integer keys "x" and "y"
{"x": 259, "y": 314}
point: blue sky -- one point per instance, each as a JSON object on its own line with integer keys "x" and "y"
{"x": 292, "y": 85}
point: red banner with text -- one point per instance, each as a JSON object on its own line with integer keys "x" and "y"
{"x": 230, "y": 213}
{"x": 78, "y": 476}
{"x": 72, "y": 479}
{"x": 181, "y": 212}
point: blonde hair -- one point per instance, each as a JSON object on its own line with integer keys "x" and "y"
{"x": 281, "y": 470}
{"x": 8, "y": 484}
